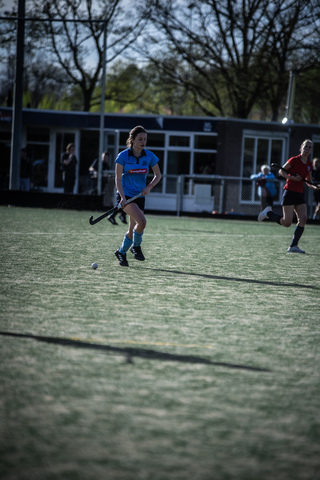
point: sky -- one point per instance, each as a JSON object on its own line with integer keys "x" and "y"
{"x": 6, "y": 5}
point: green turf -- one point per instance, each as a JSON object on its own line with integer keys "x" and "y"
{"x": 208, "y": 366}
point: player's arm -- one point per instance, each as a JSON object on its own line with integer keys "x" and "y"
{"x": 309, "y": 179}
{"x": 286, "y": 174}
{"x": 68, "y": 160}
{"x": 119, "y": 187}
{"x": 156, "y": 179}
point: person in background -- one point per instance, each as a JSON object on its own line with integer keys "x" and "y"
{"x": 299, "y": 168}
{"x": 131, "y": 172}
{"x": 266, "y": 187}
{"x": 316, "y": 179}
{"x": 122, "y": 216}
{"x": 93, "y": 171}
{"x": 69, "y": 164}
{"x": 25, "y": 170}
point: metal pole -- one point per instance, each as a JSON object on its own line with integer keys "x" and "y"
{"x": 290, "y": 98}
{"x": 14, "y": 182}
{"x": 180, "y": 188}
{"x": 292, "y": 90}
{"x": 222, "y": 196}
{"x": 103, "y": 99}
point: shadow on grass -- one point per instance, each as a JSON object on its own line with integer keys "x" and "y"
{"x": 234, "y": 279}
{"x": 129, "y": 353}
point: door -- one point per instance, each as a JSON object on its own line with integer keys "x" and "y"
{"x": 89, "y": 148}
{"x": 58, "y": 144}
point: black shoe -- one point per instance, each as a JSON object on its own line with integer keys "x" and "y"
{"x": 112, "y": 220}
{"x": 138, "y": 255}
{"x": 123, "y": 218}
{"x": 122, "y": 257}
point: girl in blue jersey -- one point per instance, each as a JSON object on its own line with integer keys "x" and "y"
{"x": 131, "y": 171}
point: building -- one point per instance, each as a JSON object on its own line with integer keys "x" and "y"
{"x": 206, "y": 161}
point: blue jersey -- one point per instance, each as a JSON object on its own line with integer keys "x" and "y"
{"x": 135, "y": 170}
{"x": 269, "y": 185}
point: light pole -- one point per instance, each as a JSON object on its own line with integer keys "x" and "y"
{"x": 103, "y": 99}
{"x": 14, "y": 182}
{"x": 290, "y": 98}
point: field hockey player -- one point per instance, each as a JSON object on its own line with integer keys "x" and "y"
{"x": 131, "y": 171}
{"x": 297, "y": 171}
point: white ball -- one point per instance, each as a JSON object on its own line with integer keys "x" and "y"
{"x": 94, "y": 266}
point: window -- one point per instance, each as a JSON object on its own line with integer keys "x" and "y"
{"x": 38, "y": 140}
{"x": 62, "y": 140}
{"x": 205, "y": 151}
{"x": 89, "y": 148}
{"x": 40, "y": 156}
{"x": 205, "y": 142}
{"x": 259, "y": 149}
{"x": 158, "y": 187}
{"x": 316, "y": 147}
{"x": 153, "y": 140}
{"x": 36, "y": 134}
{"x": 204, "y": 163}
{"x": 122, "y": 140}
{"x": 179, "y": 141}
{"x": 277, "y": 151}
{"x": 178, "y": 164}
{"x": 5, "y": 136}
{"x": 5, "y": 148}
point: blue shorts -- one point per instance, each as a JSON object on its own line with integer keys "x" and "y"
{"x": 292, "y": 198}
{"x": 139, "y": 201}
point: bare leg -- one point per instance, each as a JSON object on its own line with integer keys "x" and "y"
{"x": 287, "y": 211}
{"x": 137, "y": 220}
{"x": 301, "y": 212}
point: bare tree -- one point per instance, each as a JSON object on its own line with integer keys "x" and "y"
{"x": 235, "y": 52}
{"x": 7, "y": 58}
{"x": 226, "y": 57}
{"x": 292, "y": 47}
{"x": 73, "y": 37}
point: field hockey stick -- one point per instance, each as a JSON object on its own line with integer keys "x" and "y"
{"x": 113, "y": 210}
{"x": 275, "y": 165}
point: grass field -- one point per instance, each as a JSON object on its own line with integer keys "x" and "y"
{"x": 200, "y": 363}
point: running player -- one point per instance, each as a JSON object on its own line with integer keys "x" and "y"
{"x": 293, "y": 200}
{"x": 131, "y": 172}
{"x": 316, "y": 179}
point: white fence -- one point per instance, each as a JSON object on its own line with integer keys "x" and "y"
{"x": 206, "y": 194}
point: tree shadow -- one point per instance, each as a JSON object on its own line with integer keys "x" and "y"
{"x": 234, "y": 279}
{"x": 130, "y": 353}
